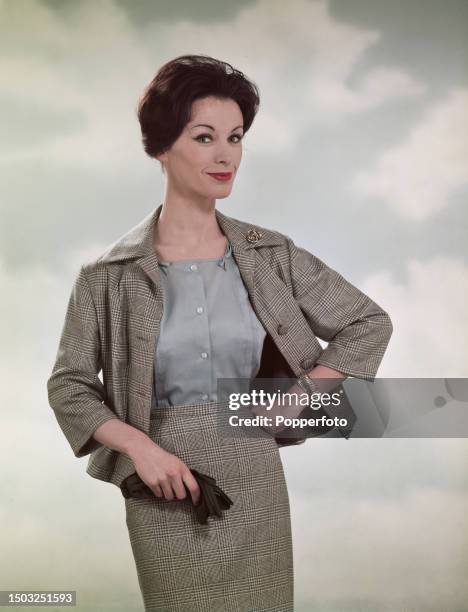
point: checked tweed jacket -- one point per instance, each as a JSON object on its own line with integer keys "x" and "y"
{"x": 115, "y": 309}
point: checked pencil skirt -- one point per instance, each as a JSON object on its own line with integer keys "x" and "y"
{"x": 240, "y": 562}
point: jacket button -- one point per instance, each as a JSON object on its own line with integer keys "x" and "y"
{"x": 282, "y": 329}
{"x": 306, "y": 364}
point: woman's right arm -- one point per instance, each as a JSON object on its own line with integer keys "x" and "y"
{"x": 157, "y": 468}
{"x": 77, "y": 397}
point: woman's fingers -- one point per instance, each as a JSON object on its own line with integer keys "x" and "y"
{"x": 178, "y": 487}
{"x": 157, "y": 491}
{"x": 166, "y": 487}
{"x": 174, "y": 488}
{"x": 170, "y": 478}
{"x": 193, "y": 488}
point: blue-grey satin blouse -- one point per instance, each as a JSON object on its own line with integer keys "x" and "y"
{"x": 208, "y": 330}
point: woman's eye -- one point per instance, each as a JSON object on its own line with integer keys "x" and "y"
{"x": 238, "y": 136}
{"x": 202, "y": 136}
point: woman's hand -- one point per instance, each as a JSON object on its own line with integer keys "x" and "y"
{"x": 289, "y": 407}
{"x": 164, "y": 473}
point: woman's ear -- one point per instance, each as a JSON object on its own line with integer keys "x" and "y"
{"x": 161, "y": 158}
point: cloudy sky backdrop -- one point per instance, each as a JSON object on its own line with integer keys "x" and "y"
{"x": 359, "y": 153}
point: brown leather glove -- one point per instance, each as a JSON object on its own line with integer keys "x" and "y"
{"x": 213, "y": 500}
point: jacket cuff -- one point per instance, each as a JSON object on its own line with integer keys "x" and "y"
{"x": 350, "y": 364}
{"x": 308, "y": 385}
{"x": 79, "y": 418}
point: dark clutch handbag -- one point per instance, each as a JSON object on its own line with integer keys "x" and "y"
{"x": 289, "y": 441}
{"x": 213, "y": 500}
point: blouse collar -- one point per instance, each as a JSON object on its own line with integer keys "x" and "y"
{"x": 221, "y": 261}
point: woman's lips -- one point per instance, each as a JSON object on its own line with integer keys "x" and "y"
{"x": 221, "y": 176}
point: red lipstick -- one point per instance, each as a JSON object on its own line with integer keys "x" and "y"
{"x": 221, "y": 176}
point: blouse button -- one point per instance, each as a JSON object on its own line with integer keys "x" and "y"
{"x": 199, "y": 309}
{"x": 193, "y": 267}
{"x": 204, "y": 396}
{"x": 203, "y": 355}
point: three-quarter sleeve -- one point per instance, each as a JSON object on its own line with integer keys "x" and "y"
{"x": 75, "y": 392}
{"x": 356, "y": 328}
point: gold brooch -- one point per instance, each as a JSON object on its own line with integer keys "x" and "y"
{"x": 253, "y": 235}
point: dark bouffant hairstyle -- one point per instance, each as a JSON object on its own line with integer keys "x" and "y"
{"x": 165, "y": 106}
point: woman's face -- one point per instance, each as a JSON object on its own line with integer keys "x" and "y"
{"x": 214, "y": 147}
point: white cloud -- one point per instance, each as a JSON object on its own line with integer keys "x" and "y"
{"x": 88, "y": 64}
{"x": 92, "y": 63}
{"x": 430, "y": 319}
{"x": 361, "y": 550}
{"x": 418, "y": 177}
{"x": 304, "y": 61}
{"x": 302, "y": 58}
{"x": 330, "y": 555}
{"x": 334, "y": 97}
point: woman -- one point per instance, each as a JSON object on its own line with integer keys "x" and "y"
{"x": 187, "y": 297}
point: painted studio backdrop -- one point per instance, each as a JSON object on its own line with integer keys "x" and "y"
{"x": 358, "y": 152}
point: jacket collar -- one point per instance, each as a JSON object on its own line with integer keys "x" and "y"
{"x": 138, "y": 242}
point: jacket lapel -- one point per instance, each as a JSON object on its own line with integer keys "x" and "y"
{"x": 137, "y": 245}
{"x": 141, "y": 294}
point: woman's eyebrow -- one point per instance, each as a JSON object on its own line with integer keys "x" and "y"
{"x": 211, "y": 127}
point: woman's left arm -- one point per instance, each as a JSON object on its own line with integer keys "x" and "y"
{"x": 356, "y": 328}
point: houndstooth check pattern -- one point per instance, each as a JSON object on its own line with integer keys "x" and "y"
{"x": 240, "y": 562}
{"x": 114, "y": 313}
